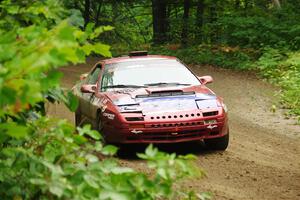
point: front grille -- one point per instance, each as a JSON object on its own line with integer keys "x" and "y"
{"x": 179, "y": 124}
{"x": 176, "y": 116}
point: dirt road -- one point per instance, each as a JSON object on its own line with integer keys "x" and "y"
{"x": 263, "y": 159}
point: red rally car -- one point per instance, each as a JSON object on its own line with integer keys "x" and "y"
{"x": 144, "y": 98}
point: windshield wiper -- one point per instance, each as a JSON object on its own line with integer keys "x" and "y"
{"x": 124, "y": 86}
{"x": 163, "y": 83}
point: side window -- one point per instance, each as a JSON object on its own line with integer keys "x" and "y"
{"x": 107, "y": 80}
{"x": 104, "y": 82}
{"x": 94, "y": 75}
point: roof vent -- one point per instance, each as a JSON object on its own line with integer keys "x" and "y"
{"x": 138, "y": 53}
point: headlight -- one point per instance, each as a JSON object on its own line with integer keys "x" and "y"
{"x": 204, "y": 104}
{"x": 225, "y": 107}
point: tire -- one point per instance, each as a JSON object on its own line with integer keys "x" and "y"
{"x": 220, "y": 143}
{"x": 78, "y": 118}
{"x": 98, "y": 125}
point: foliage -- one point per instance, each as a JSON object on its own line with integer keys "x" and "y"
{"x": 132, "y": 20}
{"x": 55, "y": 163}
{"x": 30, "y": 51}
{"x": 259, "y": 28}
{"x": 43, "y": 158}
{"x": 282, "y": 67}
{"x": 248, "y": 24}
{"x": 229, "y": 57}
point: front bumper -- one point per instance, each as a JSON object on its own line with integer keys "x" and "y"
{"x": 163, "y": 129}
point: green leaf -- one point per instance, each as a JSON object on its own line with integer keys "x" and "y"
{"x": 88, "y": 48}
{"x": 66, "y": 33}
{"x": 162, "y": 173}
{"x": 53, "y": 150}
{"x": 52, "y": 79}
{"x": 56, "y": 58}
{"x": 91, "y": 181}
{"x": 122, "y": 170}
{"x": 102, "y": 49}
{"x": 98, "y": 146}
{"x": 109, "y": 150}
{"x": 55, "y": 169}
{"x": 38, "y": 181}
{"x": 94, "y": 134}
{"x": 188, "y": 157}
{"x": 100, "y": 30}
{"x": 89, "y": 28}
{"x": 114, "y": 195}
{"x": 13, "y": 9}
{"x": 81, "y": 55}
{"x": 72, "y": 101}
{"x": 79, "y": 139}
{"x": 91, "y": 158}
{"x": 86, "y": 130}
{"x": 14, "y": 130}
{"x": 7, "y": 96}
{"x": 56, "y": 189}
{"x": 151, "y": 152}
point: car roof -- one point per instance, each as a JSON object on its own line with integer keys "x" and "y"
{"x": 137, "y": 58}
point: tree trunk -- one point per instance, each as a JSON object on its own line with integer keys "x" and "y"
{"x": 185, "y": 24}
{"x": 87, "y": 6}
{"x": 249, "y": 4}
{"x": 199, "y": 20}
{"x": 237, "y": 4}
{"x": 160, "y": 21}
{"x": 277, "y": 4}
{"x": 213, "y": 18}
{"x": 98, "y": 14}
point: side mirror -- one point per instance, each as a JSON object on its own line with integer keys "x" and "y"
{"x": 88, "y": 88}
{"x": 205, "y": 79}
{"x": 83, "y": 76}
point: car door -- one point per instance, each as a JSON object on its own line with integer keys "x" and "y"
{"x": 98, "y": 100}
{"x": 87, "y": 98}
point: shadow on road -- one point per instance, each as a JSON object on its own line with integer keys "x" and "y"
{"x": 129, "y": 151}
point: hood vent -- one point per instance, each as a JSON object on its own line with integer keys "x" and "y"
{"x": 165, "y": 93}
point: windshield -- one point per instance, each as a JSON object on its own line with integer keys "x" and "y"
{"x": 147, "y": 73}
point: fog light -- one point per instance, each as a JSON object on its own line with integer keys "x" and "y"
{"x": 210, "y": 121}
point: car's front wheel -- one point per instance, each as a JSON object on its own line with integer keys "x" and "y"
{"x": 99, "y": 127}
{"x": 220, "y": 143}
{"x": 99, "y": 124}
{"x": 78, "y": 118}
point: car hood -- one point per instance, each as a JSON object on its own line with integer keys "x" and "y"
{"x": 162, "y": 99}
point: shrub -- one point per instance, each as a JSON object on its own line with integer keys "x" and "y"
{"x": 282, "y": 67}
{"x": 224, "y": 56}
